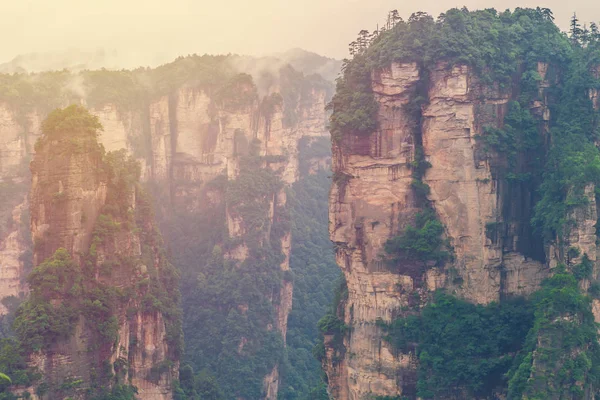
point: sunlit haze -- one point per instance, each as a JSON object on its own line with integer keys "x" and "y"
{"x": 148, "y": 32}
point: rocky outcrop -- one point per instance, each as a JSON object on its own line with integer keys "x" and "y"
{"x": 372, "y": 199}
{"x": 74, "y": 206}
{"x": 67, "y": 194}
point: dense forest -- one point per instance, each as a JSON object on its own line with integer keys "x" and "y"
{"x": 211, "y": 366}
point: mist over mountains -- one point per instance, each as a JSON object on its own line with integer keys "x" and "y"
{"x": 78, "y": 60}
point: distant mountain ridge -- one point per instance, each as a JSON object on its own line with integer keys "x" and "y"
{"x": 78, "y": 60}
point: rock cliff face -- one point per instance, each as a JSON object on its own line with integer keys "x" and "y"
{"x": 80, "y": 203}
{"x": 372, "y": 199}
{"x": 467, "y": 191}
{"x": 15, "y": 243}
{"x": 67, "y": 194}
{"x": 364, "y": 211}
{"x": 15, "y": 250}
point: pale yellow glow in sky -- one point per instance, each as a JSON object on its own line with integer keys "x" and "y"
{"x": 163, "y": 29}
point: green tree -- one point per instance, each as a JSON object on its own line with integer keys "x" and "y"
{"x": 72, "y": 121}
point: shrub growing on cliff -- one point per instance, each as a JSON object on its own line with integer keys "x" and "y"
{"x": 331, "y": 324}
{"x": 563, "y": 342}
{"x": 422, "y": 242}
{"x": 38, "y": 322}
{"x": 14, "y": 362}
{"x": 69, "y": 122}
{"x": 237, "y": 93}
{"x": 353, "y": 105}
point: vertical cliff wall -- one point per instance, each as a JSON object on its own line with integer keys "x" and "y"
{"x": 368, "y": 199}
{"x": 15, "y": 242}
{"x": 118, "y": 303}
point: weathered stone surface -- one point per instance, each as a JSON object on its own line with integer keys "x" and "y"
{"x": 12, "y": 249}
{"x": 461, "y": 188}
{"x": 12, "y": 143}
{"x": 364, "y": 213}
{"x": 372, "y": 200}
{"x": 67, "y": 194}
{"x": 160, "y": 138}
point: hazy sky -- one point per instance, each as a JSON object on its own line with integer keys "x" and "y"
{"x": 166, "y": 28}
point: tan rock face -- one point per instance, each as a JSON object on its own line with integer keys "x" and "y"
{"x": 12, "y": 142}
{"x": 462, "y": 189}
{"x": 372, "y": 201}
{"x": 67, "y": 196}
{"x": 16, "y": 140}
{"x": 12, "y": 249}
{"x": 160, "y": 138}
{"x": 582, "y": 235}
{"x": 116, "y": 132}
{"x": 364, "y": 213}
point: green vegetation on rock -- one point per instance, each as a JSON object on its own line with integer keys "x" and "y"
{"x": 464, "y": 349}
{"x": 563, "y": 343}
{"x": 423, "y": 241}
